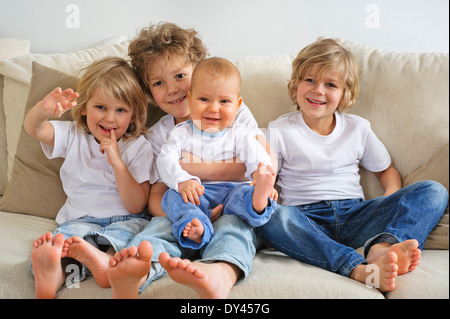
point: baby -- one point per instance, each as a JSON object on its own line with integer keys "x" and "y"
{"x": 212, "y": 135}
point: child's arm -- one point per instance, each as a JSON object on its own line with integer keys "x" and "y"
{"x": 133, "y": 195}
{"x": 230, "y": 170}
{"x": 53, "y": 105}
{"x": 157, "y": 191}
{"x": 389, "y": 179}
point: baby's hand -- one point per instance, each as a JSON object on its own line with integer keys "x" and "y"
{"x": 111, "y": 147}
{"x": 57, "y": 102}
{"x": 191, "y": 190}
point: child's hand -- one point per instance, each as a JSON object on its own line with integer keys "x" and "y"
{"x": 57, "y": 102}
{"x": 111, "y": 147}
{"x": 191, "y": 190}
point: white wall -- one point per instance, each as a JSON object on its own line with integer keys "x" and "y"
{"x": 233, "y": 28}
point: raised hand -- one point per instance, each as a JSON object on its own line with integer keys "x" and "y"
{"x": 57, "y": 102}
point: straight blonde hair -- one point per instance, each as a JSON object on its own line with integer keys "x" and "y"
{"x": 328, "y": 54}
{"x": 116, "y": 78}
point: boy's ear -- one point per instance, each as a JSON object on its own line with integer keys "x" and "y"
{"x": 189, "y": 96}
{"x": 240, "y": 102}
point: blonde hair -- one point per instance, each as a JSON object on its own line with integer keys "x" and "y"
{"x": 115, "y": 77}
{"x": 217, "y": 68}
{"x": 327, "y": 53}
{"x": 164, "y": 40}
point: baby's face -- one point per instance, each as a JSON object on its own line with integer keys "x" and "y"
{"x": 214, "y": 102}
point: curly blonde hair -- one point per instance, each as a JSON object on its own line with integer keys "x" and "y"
{"x": 163, "y": 40}
{"x": 115, "y": 77}
{"x": 327, "y": 53}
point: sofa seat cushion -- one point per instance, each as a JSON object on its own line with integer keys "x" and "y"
{"x": 274, "y": 275}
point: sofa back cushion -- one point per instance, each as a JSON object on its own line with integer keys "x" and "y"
{"x": 403, "y": 95}
{"x": 35, "y": 187}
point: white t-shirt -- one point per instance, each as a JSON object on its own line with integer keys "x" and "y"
{"x": 87, "y": 177}
{"x": 235, "y": 141}
{"x": 158, "y": 134}
{"x": 313, "y": 167}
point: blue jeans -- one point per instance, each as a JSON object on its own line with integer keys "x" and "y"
{"x": 116, "y": 231}
{"x": 325, "y": 234}
{"x": 236, "y": 198}
{"x": 234, "y": 242}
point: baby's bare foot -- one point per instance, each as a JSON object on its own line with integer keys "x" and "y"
{"x": 129, "y": 269}
{"x": 46, "y": 262}
{"x": 95, "y": 260}
{"x": 264, "y": 179}
{"x": 194, "y": 231}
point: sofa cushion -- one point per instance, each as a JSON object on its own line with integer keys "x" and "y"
{"x": 437, "y": 169}
{"x": 35, "y": 187}
{"x": 9, "y": 49}
{"x": 273, "y": 274}
{"x": 429, "y": 281}
{"x": 405, "y": 97}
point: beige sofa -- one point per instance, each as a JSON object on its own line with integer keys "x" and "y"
{"x": 403, "y": 95}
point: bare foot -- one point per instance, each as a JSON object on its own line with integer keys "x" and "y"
{"x": 408, "y": 254}
{"x": 210, "y": 281}
{"x": 381, "y": 274}
{"x": 128, "y": 270}
{"x": 46, "y": 261}
{"x": 95, "y": 260}
{"x": 194, "y": 231}
{"x": 264, "y": 179}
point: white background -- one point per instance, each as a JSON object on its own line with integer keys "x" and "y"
{"x": 232, "y": 28}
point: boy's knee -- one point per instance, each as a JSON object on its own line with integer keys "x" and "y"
{"x": 436, "y": 193}
{"x": 437, "y": 190}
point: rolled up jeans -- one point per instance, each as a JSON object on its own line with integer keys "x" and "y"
{"x": 326, "y": 233}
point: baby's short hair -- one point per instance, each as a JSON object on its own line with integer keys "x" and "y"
{"x": 217, "y": 68}
{"x": 115, "y": 77}
{"x": 164, "y": 40}
{"x": 328, "y": 54}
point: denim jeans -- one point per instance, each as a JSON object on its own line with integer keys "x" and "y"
{"x": 325, "y": 234}
{"x": 234, "y": 242}
{"x": 236, "y": 198}
{"x": 116, "y": 231}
